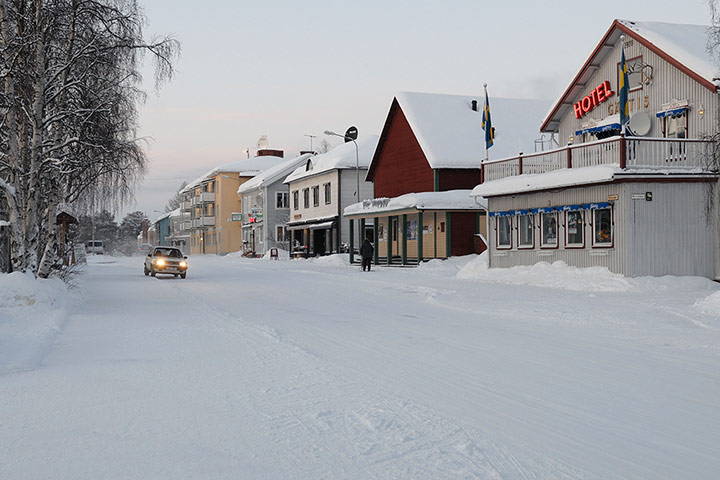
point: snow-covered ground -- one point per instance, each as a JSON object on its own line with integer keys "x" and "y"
{"x": 312, "y": 369}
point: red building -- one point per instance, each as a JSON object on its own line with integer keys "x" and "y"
{"x": 435, "y": 143}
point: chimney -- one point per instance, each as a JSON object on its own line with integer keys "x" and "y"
{"x": 264, "y": 152}
{"x": 474, "y": 105}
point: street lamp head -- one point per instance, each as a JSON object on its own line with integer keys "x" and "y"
{"x": 328, "y": 132}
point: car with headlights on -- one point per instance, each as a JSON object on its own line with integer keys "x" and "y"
{"x": 167, "y": 260}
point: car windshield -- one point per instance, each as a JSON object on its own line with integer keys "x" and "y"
{"x": 167, "y": 252}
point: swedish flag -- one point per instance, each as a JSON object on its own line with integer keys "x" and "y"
{"x": 487, "y": 123}
{"x": 623, "y": 90}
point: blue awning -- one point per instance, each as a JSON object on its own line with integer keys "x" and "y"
{"x": 672, "y": 113}
{"x": 570, "y": 208}
{"x": 563, "y": 208}
{"x": 594, "y": 206}
{"x": 599, "y": 128}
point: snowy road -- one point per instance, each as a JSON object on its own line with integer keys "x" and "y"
{"x": 256, "y": 369}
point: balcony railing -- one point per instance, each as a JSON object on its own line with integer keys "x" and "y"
{"x": 627, "y": 152}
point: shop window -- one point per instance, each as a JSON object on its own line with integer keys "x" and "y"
{"x": 574, "y": 229}
{"x": 306, "y": 198}
{"x": 281, "y": 233}
{"x": 602, "y": 227}
{"x": 548, "y": 230}
{"x": 296, "y": 200}
{"x": 525, "y": 231}
{"x": 281, "y": 200}
{"x": 316, "y": 196}
{"x": 411, "y": 233}
{"x": 326, "y": 187}
{"x": 503, "y": 232}
{"x": 381, "y": 232}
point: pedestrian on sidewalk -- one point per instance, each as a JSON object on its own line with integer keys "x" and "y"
{"x": 366, "y": 252}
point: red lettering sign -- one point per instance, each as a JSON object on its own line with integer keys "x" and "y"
{"x": 600, "y": 94}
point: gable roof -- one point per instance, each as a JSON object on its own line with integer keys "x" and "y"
{"x": 342, "y": 156}
{"x": 273, "y": 174}
{"x": 449, "y": 131}
{"x": 683, "y": 46}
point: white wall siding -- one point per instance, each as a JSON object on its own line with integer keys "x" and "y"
{"x": 672, "y": 234}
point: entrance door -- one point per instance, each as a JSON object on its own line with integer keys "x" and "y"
{"x": 319, "y": 242}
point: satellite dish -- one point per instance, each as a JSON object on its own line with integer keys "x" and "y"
{"x": 640, "y": 124}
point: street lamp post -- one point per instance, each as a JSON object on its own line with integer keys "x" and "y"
{"x": 351, "y": 135}
{"x": 348, "y": 138}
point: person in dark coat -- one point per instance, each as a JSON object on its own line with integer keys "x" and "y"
{"x": 366, "y": 252}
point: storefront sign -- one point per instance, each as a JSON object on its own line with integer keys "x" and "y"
{"x": 376, "y": 203}
{"x": 599, "y": 95}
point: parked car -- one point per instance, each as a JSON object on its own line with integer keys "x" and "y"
{"x": 169, "y": 260}
{"x": 95, "y": 246}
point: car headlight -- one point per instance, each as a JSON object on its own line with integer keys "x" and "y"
{"x": 160, "y": 262}
{"x": 183, "y": 264}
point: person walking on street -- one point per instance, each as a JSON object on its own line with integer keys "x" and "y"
{"x": 366, "y": 252}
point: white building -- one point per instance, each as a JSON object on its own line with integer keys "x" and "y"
{"x": 320, "y": 190}
{"x": 641, "y": 204}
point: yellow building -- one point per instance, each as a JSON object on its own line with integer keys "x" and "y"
{"x": 211, "y": 208}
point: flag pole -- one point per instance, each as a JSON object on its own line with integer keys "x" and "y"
{"x": 486, "y": 147}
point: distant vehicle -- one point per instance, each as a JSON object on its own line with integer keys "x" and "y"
{"x": 144, "y": 248}
{"x": 95, "y": 246}
{"x": 169, "y": 260}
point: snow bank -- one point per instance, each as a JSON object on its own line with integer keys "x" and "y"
{"x": 337, "y": 260}
{"x": 709, "y": 305}
{"x": 556, "y": 275}
{"x": 559, "y": 275}
{"x": 32, "y": 313}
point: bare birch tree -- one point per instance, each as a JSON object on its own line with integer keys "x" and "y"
{"x": 70, "y": 91}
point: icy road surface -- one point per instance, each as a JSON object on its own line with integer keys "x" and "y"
{"x": 256, "y": 369}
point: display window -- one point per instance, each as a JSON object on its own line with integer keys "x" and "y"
{"x": 503, "y": 230}
{"x": 602, "y": 227}
{"x": 574, "y": 228}
{"x": 548, "y": 230}
{"x": 525, "y": 231}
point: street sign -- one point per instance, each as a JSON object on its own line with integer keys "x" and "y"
{"x": 351, "y": 134}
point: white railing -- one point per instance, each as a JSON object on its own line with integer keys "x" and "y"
{"x": 663, "y": 153}
{"x": 623, "y": 151}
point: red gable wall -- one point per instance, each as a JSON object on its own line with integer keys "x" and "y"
{"x": 458, "y": 179}
{"x": 401, "y": 166}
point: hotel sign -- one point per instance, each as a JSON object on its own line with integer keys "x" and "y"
{"x": 599, "y": 95}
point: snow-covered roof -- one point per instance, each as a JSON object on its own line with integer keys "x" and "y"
{"x": 684, "y": 46}
{"x": 450, "y": 132}
{"x": 342, "y": 156}
{"x": 274, "y": 173}
{"x": 685, "y": 43}
{"x": 571, "y": 177}
{"x": 247, "y": 167}
{"x": 448, "y": 200}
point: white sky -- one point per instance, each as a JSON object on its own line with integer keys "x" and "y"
{"x": 286, "y": 68}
